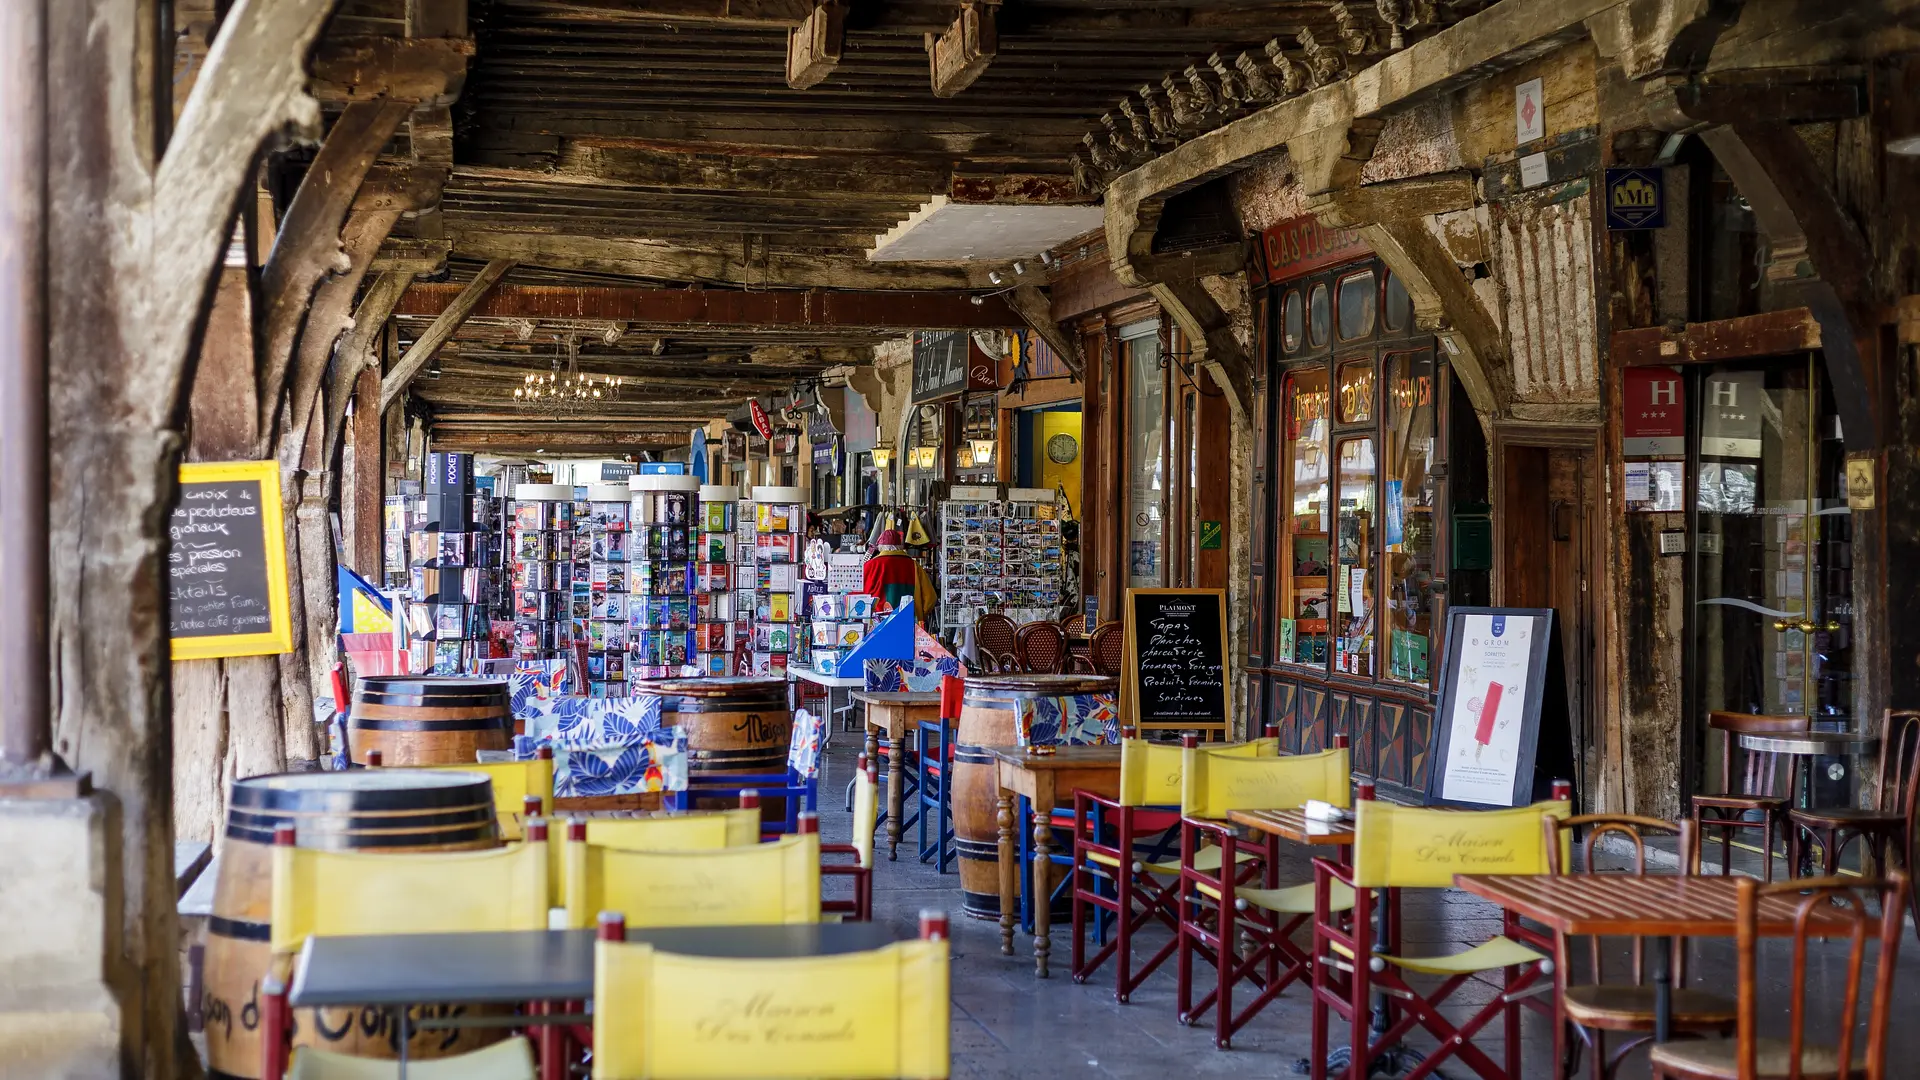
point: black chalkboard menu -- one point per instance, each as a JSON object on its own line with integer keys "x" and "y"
{"x": 227, "y": 564}
{"x": 1176, "y": 673}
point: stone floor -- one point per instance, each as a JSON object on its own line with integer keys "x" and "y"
{"x": 1007, "y": 1023}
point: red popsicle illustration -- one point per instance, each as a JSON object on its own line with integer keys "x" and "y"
{"x": 1489, "y": 707}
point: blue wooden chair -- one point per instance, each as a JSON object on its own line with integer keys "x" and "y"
{"x": 935, "y": 753}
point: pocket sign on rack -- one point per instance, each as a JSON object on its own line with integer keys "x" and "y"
{"x": 227, "y": 567}
{"x": 1503, "y": 733}
{"x": 1176, "y": 657}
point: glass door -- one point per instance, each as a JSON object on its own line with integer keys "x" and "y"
{"x": 1773, "y": 611}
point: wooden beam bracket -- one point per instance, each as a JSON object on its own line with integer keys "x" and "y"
{"x": 815, "y": 46}
{"x": 1035, "y": 307}
{"x": 962, "y": 54}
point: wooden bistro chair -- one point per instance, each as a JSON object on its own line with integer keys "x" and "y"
{"x": 1596, "y": 1008}
{"x": 1075, "y": 623}
{"x": 1106, "y": 651}
{"x": 1758, "y": 789}
{"x": 1041, "y": 648}
{"x": 759, "y": 884}
{"x": 1214, "y": 901}
{"x": 1772, "y": 1046}
{"x": 1412, "y": 847}
{"x": 1884, "y": 826}
{"x": 353, "y": 892}
{"x": 1125, "y": 856}
{"x": 993, "y": 638}
{"x": 884, "y": 1012}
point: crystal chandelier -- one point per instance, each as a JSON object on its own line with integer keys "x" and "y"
{"x": 563, "y": 390}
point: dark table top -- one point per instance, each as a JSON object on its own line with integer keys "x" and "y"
{"x": 530, "y": 965}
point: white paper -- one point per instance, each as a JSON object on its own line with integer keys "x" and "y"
{"x": 1639, "y": 482}
{"x": 1487, "y": 706}
{"x": 1533, "y": 170}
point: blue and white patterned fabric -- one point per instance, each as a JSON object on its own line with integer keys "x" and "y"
{"x": 931, "y": 662}
{"x": 606, "y": 746}
{"x": 536, "y": 679}
{"x": 803, "y": 751}
{"x": 1071, "y": 720}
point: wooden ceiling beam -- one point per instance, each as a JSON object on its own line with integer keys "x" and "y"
{"x": 776, "y": 14}
{"x": 400, "y": 188}
{"x": 412, "y": 256}
{"x": 444, "y": 324}
{"x": 459, "y": 439}
{"x": 692, "y": 309}
{"x": 683, "y": 168}
{"x": 424, "y": 71}
{"x": 657, "y": 261}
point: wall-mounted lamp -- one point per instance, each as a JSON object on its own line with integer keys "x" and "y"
{"x": 983, "y": 451}
{"x": 882, "y": 457}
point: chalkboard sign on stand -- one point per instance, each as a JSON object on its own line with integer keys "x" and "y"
{"x": 1176, "y": 671}
{"x": 1503, "y": 733}
{"x": 227, "y": 567}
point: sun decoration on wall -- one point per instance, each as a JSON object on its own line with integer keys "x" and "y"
{"x": 1062, "y": 449}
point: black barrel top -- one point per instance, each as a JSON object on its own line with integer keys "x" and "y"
{"x": 362, "y": 789}
{"x": 430, "y": 689}
{"x": 993, "y": 687}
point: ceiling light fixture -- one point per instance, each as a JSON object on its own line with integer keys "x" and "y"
{"x": 993, "y": 277}
{"x": 1905, "y": 146}
{"x": 1019, "y": 267}
{"x": 976, "y": 300}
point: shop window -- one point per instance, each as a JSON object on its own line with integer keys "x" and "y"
{"x": 1293, "y": 321}
{"x": 1399, "y": 313}
{"x": 1306, "y": 556}
{"x": 1356, "y": 392}
{"x": 1318, "y": 316}
{"x": 1358, "y": 295}
{"x": 1407, "y": 504}
{"x": 1353, "y": 580}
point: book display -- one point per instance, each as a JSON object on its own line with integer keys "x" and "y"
{"x": 659, "y": 601}
{"x": 1001, "y": 555}
{"x": 772, "y": 582}
{"x": 543, "y": 570}
{"x": 599, "y": 602}
{"x": 715, "y": 614}
{"x": 454, "y": 563}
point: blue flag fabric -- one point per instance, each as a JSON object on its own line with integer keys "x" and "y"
{"x": 891, "y": 639}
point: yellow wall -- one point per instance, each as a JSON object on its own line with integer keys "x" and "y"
{"x": 1066, "y": 476}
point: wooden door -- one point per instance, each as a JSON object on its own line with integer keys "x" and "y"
{"x": 1547, "y": 516}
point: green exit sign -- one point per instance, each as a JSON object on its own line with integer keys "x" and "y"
{"x": 1210, "y": 536}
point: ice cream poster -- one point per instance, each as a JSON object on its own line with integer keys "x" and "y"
{"x": 1489, "y": 738}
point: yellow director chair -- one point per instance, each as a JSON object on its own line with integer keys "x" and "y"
{"x": 663, "y": 1016}
{"x": 757, "y": 884}
{"x": 1141, "y": 821}
{"x": 1414, "y": 847}
{"x": 349, "y": 892}
{"x": 515, "y": 785}
{"x": 1214, "y": 902}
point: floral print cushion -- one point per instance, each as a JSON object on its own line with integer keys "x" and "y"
{"x": 1072, "y": 720}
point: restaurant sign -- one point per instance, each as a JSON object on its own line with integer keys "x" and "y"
{"x": 1300, "y": 245}
{"x": 946, "y": 364}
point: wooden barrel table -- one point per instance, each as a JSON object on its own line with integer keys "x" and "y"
{"x": 989, "y": 716}
{"x": 429, "y": 719}
{"x": 734, "y": 725}
{"x": 388, "y": 810}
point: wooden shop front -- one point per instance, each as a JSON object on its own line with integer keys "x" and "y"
{"x": 1369, "y": 506}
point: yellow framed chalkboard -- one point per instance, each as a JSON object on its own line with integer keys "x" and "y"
{"x": 227, "y": 562}
{"x": 1176, "y": 670}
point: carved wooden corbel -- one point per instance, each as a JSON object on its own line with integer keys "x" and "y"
{"x": 959, "y": 56}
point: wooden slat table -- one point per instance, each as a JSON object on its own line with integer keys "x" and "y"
{"x": 1042, "y": 778}
{"x": 1296, "y": 826}
{"x": 1619, "y": 905}
{"x": 897, "y": 713}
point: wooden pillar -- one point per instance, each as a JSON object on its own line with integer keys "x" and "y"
{"x": 369, "y": 469}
